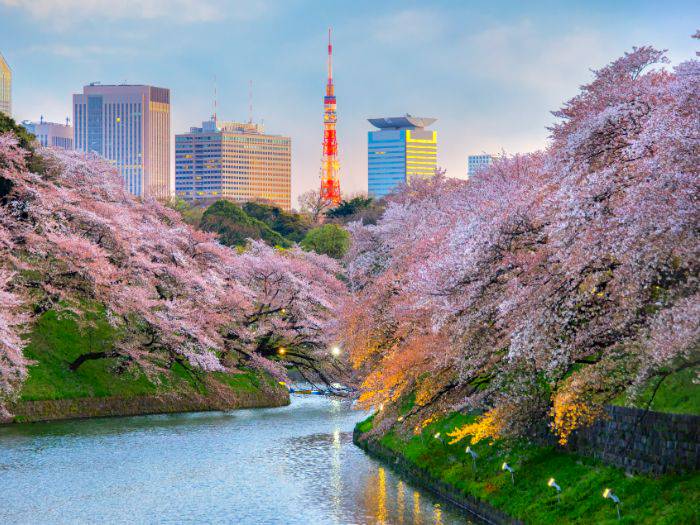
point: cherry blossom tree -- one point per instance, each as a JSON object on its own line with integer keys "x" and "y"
{"x": 552, "y": 282}
{"x": 72, "y": 236}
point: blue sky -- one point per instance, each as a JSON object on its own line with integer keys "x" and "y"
{"x": 490, "y": 72}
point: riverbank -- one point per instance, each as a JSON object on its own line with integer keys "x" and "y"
{"x": 216, "y": 396}
{"x": 103, "y": 387}
{"x": 490, "y": 491}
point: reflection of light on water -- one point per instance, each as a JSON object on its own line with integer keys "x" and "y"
{"x": 336, "y": 477}
{"x": 381, "y": 500}
{"x": 400, "y": 503}
{"x": 438, "y": 514}
{"x": 416, "y": 508}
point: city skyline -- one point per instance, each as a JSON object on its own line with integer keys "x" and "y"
{"x": 474, "y": 81}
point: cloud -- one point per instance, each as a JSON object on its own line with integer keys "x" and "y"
{"x": 62, "y": 12}
{"x": 522, "y": 54}
{"x": 82, "y": 52}
{"x": 408, "y": 27}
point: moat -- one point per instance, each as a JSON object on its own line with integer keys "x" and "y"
{"x": 288, "y": 465}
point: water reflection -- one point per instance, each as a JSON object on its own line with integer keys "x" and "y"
{"x": 290, "y": 465}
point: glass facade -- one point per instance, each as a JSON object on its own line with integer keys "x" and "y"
{"x": 5, "y": 87}
{"x": 475, "y": 163}
{"x": 129, "y": 125}
{"x": 94, "y": 124}
{"x": 396, "y": 156}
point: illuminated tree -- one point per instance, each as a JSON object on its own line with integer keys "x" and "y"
{"x": 554, "y": 281}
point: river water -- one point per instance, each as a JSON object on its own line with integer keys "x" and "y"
{"x": 288, "y": 465}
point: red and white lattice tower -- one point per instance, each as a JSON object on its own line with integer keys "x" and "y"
{"x": 330, "y": 182}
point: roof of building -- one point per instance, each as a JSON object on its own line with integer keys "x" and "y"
{"x": 405, "y": 122}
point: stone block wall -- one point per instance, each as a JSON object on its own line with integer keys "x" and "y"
{"x": 641, "y": 441}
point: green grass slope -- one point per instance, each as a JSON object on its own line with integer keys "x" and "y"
{"x": 677, "y": 393}
{"x": 56, "y": 340}
{"x": 669, "y": 499}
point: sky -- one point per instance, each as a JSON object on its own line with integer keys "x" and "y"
{"x": 489, "y": 71}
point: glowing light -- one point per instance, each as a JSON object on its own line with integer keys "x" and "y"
{"x": 606, "y": 493}
{"x": 335, "y": 351}
{"x": 281, "y": 350}
{"x": 551, "y": 482}
{"x": 437, "y": 435}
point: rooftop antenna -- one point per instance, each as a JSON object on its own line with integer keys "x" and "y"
{"x": 213, "y": 117}
{"x": 41, "y": 119}
{"x": 250, "y": 102}
{"x": 67, "y": 121}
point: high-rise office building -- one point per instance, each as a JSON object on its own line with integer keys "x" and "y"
{"x": 51, "y": 133}
{"x": 400, "y": 151}
{"x": 476, "y": 163}
{"x": 129, "y": 125}
{"x": 5, "y": 87}
{"x": 235, "y": 161}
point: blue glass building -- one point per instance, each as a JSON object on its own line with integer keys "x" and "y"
{"x": 402, "y": 149}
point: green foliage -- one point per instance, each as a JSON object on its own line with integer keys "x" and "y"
{"x": 677, "y": 393}
{"x": 291, "y": 226}
{"x": 347, "y": 208}
{"x": 234, "y": 226}
{"x": 365, "y": 208}
{"x": 190, "y": 213}
{"x": 329, "y": 239}
{"x": 666, "y": 500}
{"x": 26, "y": 141}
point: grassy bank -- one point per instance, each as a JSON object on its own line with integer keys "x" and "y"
{"x": 56, "y": 340}
{"x": 676, "y": 393}
{"x": 669, "y": 499}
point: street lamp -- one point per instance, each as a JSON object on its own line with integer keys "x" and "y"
{"x": 507, "y": 467}
{"x": 281, "y": 350}
{"x": 439, "y": 438}
{"x": 554, "y": 485}
{"x": 335, "y": 351}
{"x": 608, "y": 494}
{"x": 474, "y": 455}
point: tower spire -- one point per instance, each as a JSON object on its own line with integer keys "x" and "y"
{"x": 330, "y": 183}
{"x": 250, "y": 102}
{"x": 330, "y": 59}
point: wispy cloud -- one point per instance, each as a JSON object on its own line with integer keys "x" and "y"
{"x": 520, "y": 53}
{"x": 82, "y": 52}
{"x": 59, "y": 12}
{"x": 409, "y": 27}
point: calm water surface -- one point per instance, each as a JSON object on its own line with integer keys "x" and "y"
{"x": 291, "y": 465}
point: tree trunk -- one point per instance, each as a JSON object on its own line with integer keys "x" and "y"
{"x": 88, "y": 357}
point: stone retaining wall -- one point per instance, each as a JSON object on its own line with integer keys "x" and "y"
{"x": 55, "y": 409}
{"x": 642, "y": 441}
